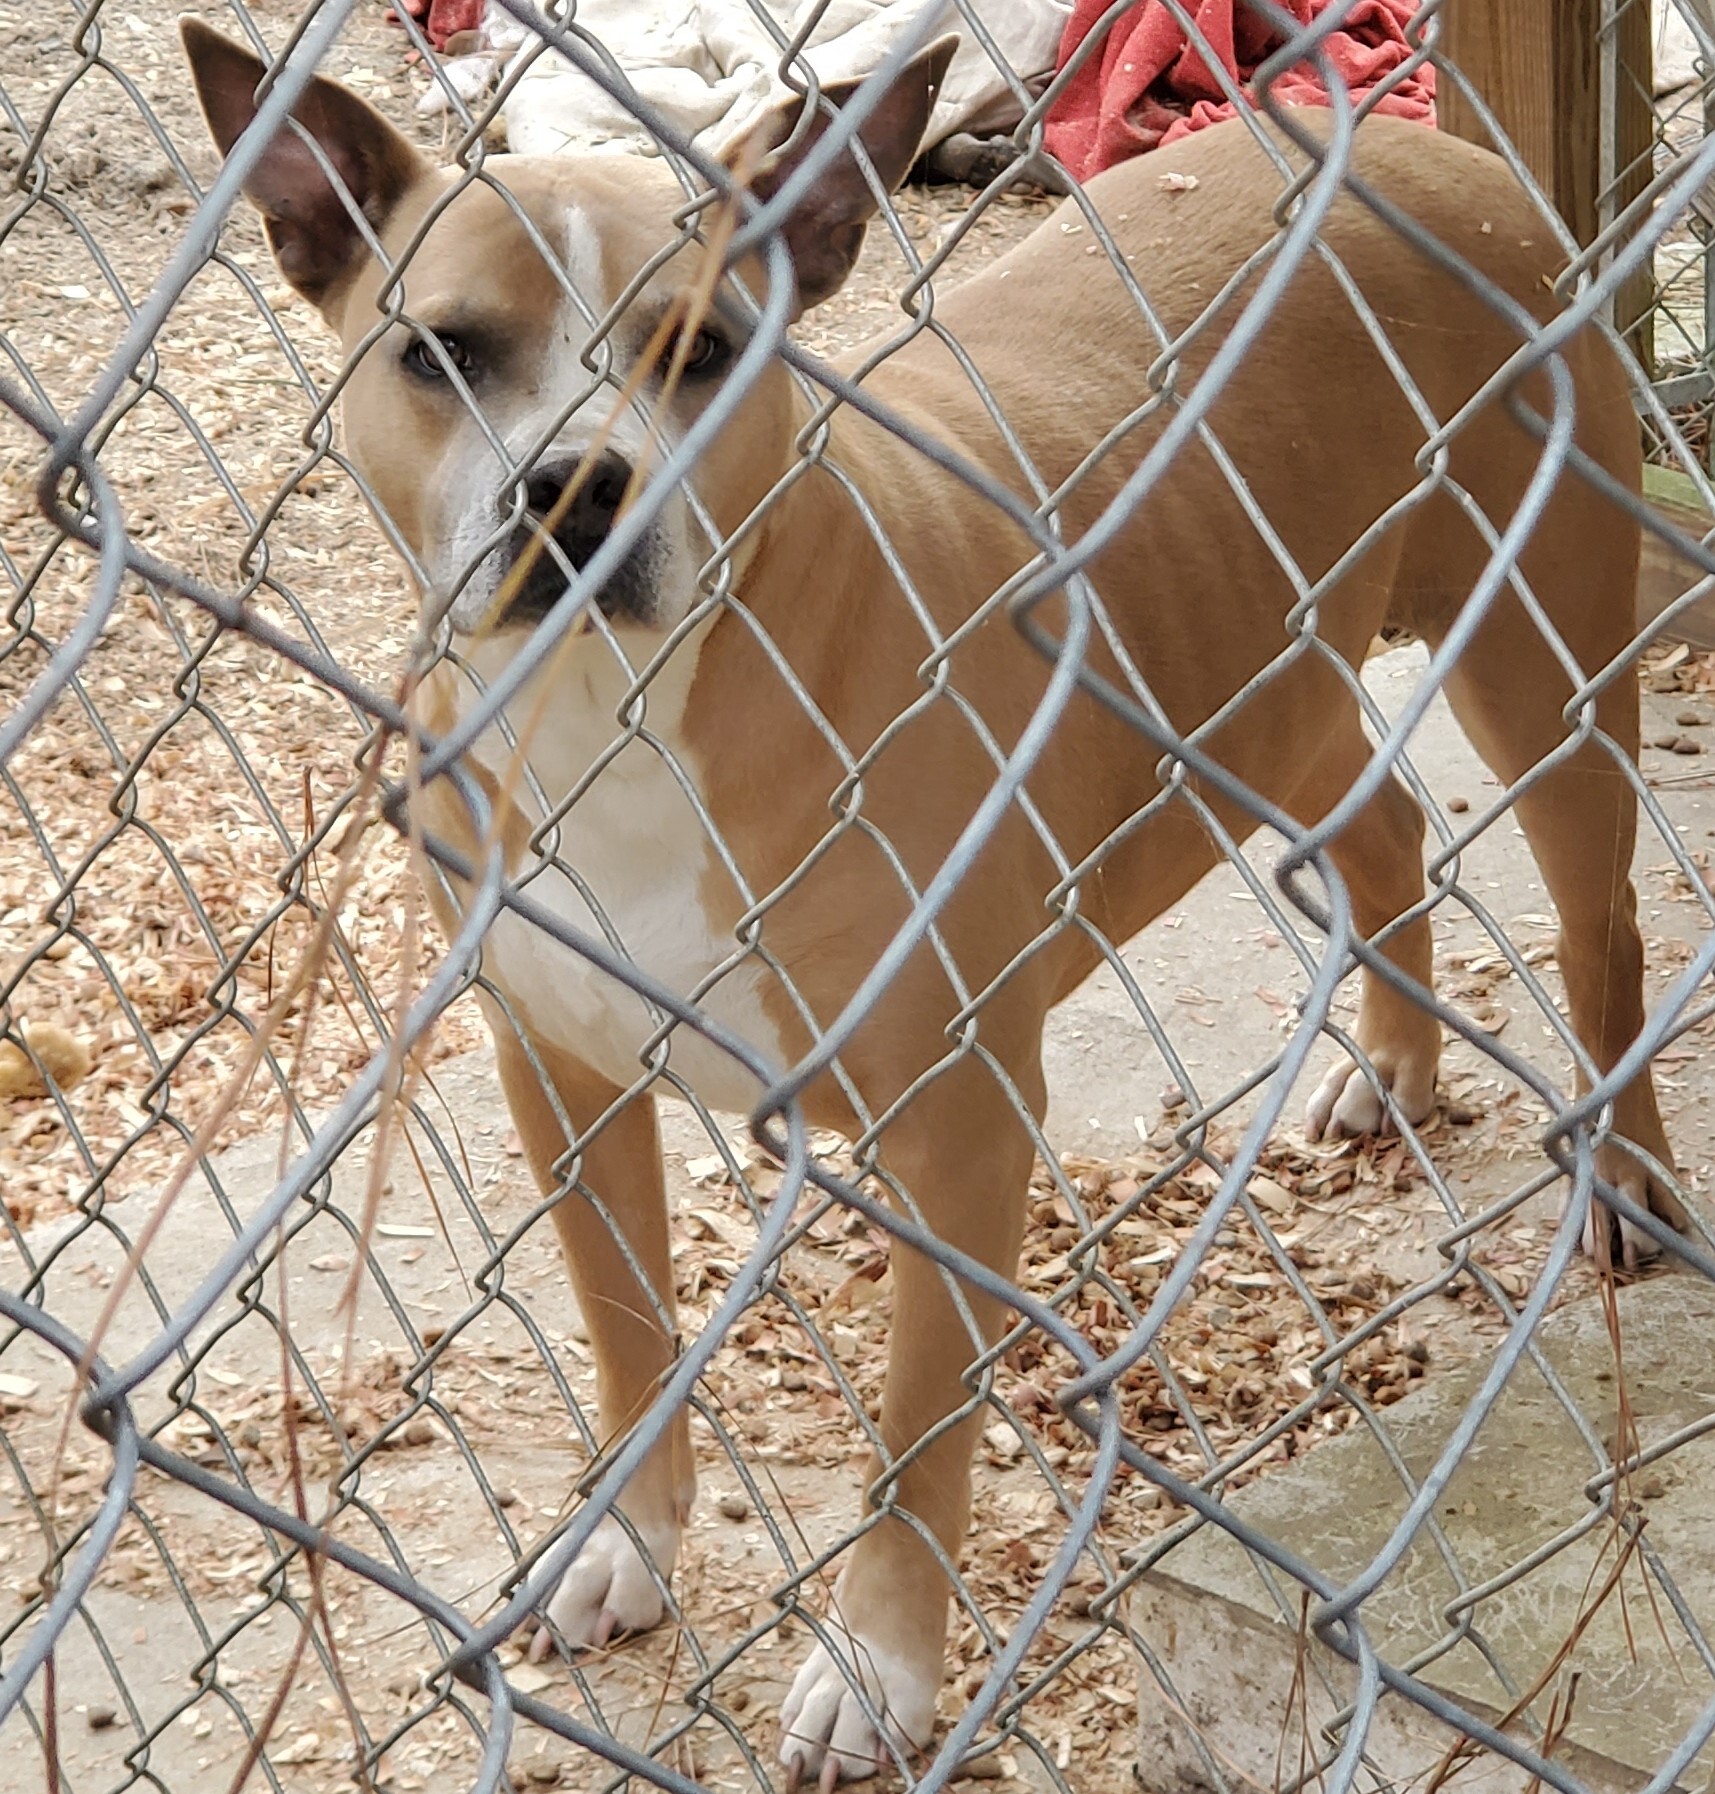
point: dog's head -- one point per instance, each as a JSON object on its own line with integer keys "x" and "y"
{"x": 526, "y": 345}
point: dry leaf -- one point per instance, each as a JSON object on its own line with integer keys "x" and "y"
{"x": 305, "y": 1748}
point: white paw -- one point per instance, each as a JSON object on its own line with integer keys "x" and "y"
{"x": 610, "y": 1589}
{"x": 1618, "y": 1167}
{"x": 824, "y": 1729}
{"x": 1347, "y": 1105}
{"x": 1636, "y": 1246}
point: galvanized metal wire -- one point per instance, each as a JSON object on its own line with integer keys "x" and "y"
{"x": 168, "y": 1491}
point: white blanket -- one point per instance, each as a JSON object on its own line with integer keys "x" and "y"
{"x": 710, "y": 66}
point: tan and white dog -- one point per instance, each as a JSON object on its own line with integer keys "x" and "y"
{"x": 712, "y": 790}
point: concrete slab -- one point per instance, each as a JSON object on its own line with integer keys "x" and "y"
{"x": 1217, "y": 974}
{"x": 1258, "y": 1690}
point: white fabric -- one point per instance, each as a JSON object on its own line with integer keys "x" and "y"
{"x": 709, "y": 65}
{"x": 1677, "y": 49}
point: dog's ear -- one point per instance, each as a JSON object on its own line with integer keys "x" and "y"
{"x": 315, "y": 238}
{"x": 825, "y": 230}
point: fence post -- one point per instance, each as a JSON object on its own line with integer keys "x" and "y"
{"x": 1578, "y": 105}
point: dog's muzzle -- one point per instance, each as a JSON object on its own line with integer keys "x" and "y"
{"x": 580, "y": 527}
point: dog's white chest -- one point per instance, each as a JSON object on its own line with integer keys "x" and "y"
{"x": 625, "y": 862}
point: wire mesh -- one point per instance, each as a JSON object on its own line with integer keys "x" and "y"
{"x": 1298, "y": 1460}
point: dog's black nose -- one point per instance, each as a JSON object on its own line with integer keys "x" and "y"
{"x": 581, "y": 526}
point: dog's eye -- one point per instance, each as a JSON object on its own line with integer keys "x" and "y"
{"x": 420, "y": 357}
{"x": 706, "y": 353}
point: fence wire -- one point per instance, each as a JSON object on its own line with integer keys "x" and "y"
{"x": 1300, "y": 1459}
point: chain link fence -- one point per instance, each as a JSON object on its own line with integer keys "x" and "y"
{"x": 1298, "y": 1461}
{"x": 1680, "y": 100}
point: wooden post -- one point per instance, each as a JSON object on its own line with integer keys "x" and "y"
{"x": 1538, "y": 66}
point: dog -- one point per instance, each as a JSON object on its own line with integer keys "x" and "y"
{"x": 853, "y": 658}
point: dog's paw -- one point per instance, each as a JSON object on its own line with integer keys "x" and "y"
{"x": 609, "y": 1589}
{"x": 1347, "y": 1105}
{"x": 1616, "y": 1166}
{"x": 824, "y": 1730}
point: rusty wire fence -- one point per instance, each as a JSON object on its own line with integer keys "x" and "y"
{"x": 1298, "y": 1461}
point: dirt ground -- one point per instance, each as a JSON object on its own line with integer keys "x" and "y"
{"x": 184, "y": 807}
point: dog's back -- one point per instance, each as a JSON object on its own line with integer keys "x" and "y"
{"x": 1316, "y": 421}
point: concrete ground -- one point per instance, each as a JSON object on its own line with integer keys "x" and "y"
{"x": 1222, "y": 983}
{"x": 1219, "y": 978}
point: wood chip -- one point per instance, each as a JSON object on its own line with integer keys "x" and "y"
{"x": 305, "y": 1748}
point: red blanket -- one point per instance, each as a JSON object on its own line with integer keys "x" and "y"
{"x": 442, "y": 19}
{"x": 1146, "y": 85}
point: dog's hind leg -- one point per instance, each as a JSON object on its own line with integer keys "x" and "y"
{"x": 1579, "y": 813}
{"x": 960, "y": 1151}
{"x": 608, "y": 1243}
{"x": 1379, "y": 857}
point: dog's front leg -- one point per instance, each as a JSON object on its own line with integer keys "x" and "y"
{"x": 610, "y": 1588}
{"x": 963, "y": 1155}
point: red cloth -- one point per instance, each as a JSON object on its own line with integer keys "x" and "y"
{"x": 1146, "y": 85}
{"x": 442, "y": 19}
